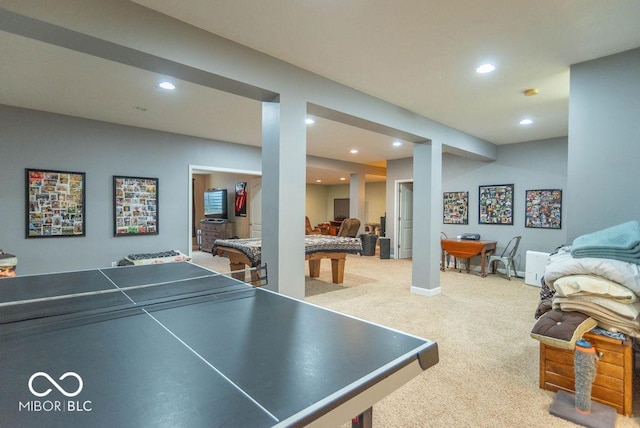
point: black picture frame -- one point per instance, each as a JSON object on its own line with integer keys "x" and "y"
{"x": 495, "y": 204}
{"x": 55, "y": 204}
{"x": 135, "y": 206}
{"x": 543, "y": 209}
{"x": 455, "y": 208}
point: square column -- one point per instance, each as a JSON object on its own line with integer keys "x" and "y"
{"x": 284, "y": 138}
{"x": 427, "y": 215}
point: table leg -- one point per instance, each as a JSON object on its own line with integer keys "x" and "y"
{"x": 255, "y": 276}
{"x": 337, "y": 270}
{"x": 237, "y": 266}
{"x": 483, "y": 262}
{"x": 314, "y": 268}
{"x": 442, "y": 266}
{"x": 363, "y": 420}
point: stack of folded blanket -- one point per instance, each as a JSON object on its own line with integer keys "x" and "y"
{"x": 598, "y": 275}
{"x": 620, "y": 242}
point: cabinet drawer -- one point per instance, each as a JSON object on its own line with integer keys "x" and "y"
{"x": 212, "y": 231}
{"x": 218, "y": 234}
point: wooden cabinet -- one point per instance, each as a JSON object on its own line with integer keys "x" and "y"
{"x": 212, "y": 231}
{"x": 614, "y": 379}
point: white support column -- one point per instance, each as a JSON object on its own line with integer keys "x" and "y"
{"x": 427, "y": 214}
{"x": 356, "y": 198}
{"x": 283, "y": 194}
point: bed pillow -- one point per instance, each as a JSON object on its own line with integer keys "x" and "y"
{"x": 562, "y": 329}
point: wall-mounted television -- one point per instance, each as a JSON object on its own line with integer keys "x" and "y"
{"x": 215, "y": 203}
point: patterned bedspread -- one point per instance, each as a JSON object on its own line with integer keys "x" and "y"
{"x": 252, "y": 247}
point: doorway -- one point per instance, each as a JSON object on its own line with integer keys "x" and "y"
{"x": 229, "y": 177}
{"x": 255, "y": 208}
{"x": 404, "y": 225}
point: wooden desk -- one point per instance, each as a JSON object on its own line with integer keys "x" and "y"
{"x": 465, "y": 249}
{"x": 248, "y": 252}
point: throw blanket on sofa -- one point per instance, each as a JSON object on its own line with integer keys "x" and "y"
{"x": 620, "y": 242}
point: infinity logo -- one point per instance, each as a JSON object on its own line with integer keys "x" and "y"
{"x": 54, "y": 383}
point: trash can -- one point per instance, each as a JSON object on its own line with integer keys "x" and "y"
{"x": 385, "y": 248}
{"x": 8, "y": 264}
{"x": 368, "y": 244}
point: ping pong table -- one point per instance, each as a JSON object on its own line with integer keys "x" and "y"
{"x": 179, "y": 345}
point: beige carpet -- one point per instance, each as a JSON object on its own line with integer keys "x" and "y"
{"x": 488, "y": 370}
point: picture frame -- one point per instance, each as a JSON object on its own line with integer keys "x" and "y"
{"x": 455, "y": 208}
{"x": 241, "y": 199}
{"x": 135, "y": 206}
{"x": 495, "y": 204}
{"x": 543, "y": 209}
{"x": 55, "y": 203}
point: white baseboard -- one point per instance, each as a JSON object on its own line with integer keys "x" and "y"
{"x": 503, "y": 271}
{"x": 476, "y": 269}
{"x": 429, "y": 292}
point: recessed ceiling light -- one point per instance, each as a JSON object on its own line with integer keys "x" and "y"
{"x": 342, "y": 178}
{"x": 167, "y": 85}
{"x": 354, "y": 151}
{"x": 526, "y": 122}
{"x": 397, "y": 143}
{"x": 309, "y": 121}
{"x": 485, "y": 68}
{"x": 318, "y": 181}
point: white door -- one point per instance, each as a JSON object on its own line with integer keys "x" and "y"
{"x": 255, "y": 208}
{"x": 405, "y": 220}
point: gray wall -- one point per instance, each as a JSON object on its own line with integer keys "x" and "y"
{"x": 604, "y": 143}
{"x": 132, "y": 32}
{"x": 531, "y": 165}
{"x": 31, "y": 139}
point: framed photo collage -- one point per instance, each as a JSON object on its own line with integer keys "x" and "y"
{"x": 543, "y": 207}
{"x": 56, "y": 204}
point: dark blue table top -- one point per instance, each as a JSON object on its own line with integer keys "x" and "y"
{"x": 221, "y": 354}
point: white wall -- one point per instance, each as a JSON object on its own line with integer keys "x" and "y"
{"x": 316, "y": 203}
{"x": 375, "y": 203}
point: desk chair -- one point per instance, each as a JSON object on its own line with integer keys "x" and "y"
{"x": 507, "y": 257}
